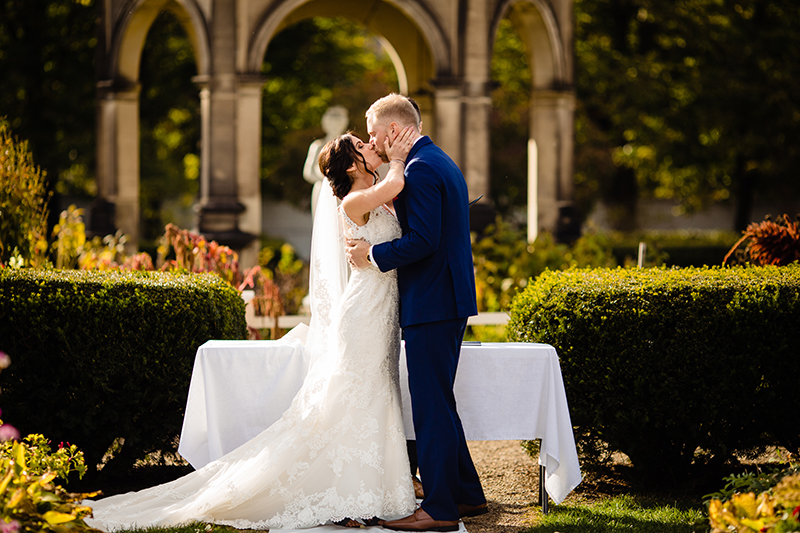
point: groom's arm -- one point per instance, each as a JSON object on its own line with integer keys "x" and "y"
{"x": 423, "y": 198}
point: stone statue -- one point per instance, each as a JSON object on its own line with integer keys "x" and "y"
{"x": 334, "y": 123}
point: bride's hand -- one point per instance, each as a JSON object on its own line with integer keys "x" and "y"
{"x": 399, "y": 148}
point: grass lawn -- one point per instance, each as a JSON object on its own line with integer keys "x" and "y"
{"x": 624, "y": 512}
{"x": 612, "y": 514}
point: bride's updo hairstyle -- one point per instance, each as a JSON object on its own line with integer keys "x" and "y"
{"x": 335, "y": 158}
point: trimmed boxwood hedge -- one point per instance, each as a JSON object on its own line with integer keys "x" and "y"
{"x": 672, "y": 366}
{"x": 98, "y": 356}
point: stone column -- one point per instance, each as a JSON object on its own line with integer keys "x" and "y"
{"x": 462, "y": 131}
{"x": 447, "y": 106}
{"x": 552, "y": 146}
{"x": 220, "y": 207}
{"x": 248, "y": 162}
{"x": 219, "y": 189}
{"x": 477, "y": 109}
{"x": 117, "y": 204}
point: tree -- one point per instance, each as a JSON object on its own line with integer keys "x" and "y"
{"x": 23, "y": 202}
{"x": 696, "y": 101}
{"x": 47, "y": 89}
{"x": 511, "y": 96}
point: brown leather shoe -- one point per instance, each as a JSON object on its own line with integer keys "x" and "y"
{"x": 419, "y": 493}
{"x": 421, "y": 521}
{"x": 466, "y": 511}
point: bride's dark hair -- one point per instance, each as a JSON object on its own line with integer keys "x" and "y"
{"x": 335, "y": 158}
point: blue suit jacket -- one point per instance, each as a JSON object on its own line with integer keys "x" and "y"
{"x": 433, "y": 258}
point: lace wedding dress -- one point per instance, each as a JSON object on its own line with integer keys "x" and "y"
{"x": 339, "y": 451}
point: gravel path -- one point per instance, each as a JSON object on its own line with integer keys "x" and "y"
{"x": 510, "y": 481}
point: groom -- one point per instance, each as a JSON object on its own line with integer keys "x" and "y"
{"x": 434, "y": 266}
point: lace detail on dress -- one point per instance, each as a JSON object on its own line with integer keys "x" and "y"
{"x": 338, "y": 451}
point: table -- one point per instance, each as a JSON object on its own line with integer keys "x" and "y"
{"x": 504, "y": 391}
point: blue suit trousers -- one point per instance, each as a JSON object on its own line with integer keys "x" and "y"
{"x": 448, "y": 475}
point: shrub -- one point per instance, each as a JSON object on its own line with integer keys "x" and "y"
{"x": 769, "y": 243}
{"x": 764, "y": 480}
{"x": 505, "y": 261}
{"x": 280, "y": 263}
{"x": 41, "y": 459}
{"x": 682, "y": 248}
{"x": 196, "y": 254}
{"x": 31, "y": 502}
{"x": 776, "y": 510}
{"x": 102, "y": 356}
{"x": 23, "y": 202}
{"x": 671, "y": 366}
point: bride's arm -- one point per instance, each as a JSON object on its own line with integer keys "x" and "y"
{"x": 358, "y": 203}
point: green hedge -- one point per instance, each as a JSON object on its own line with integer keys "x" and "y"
{"x": 672, "y": 366}
{"x": 98, "y": 356}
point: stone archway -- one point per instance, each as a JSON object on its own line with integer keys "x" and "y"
{"x": 126, "y": 28}
{"x": 423, "y": 52}
{"x": 444, "y": 47}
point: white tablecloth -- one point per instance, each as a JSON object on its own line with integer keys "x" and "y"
{"x": 504, "y": 391}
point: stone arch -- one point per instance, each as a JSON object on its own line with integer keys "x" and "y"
{"x": 414, "y": 38}
{"x": 538, "y": 27}
{"x": 550, "y": 145}
{"x": 132, "y": 27}
{"x": 443, "y": 47}
{"x": 118, "y": 176}
{"x": 410, "y": 19}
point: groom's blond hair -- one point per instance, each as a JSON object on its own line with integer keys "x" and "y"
{"x": 394, "y": 108}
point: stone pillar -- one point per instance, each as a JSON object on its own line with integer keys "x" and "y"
{"x": 462, "y": 131}
{"x": 219, "y": 188}
{"x": 551, "y": 127}
{"x": 117, "y": 204}
{"x": 220, "y": 106}
{"x": 447, "y": 104}
{"x": 477, "y": 109}
{"x": 248, "y": 162}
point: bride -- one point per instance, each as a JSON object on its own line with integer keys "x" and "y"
{"x": 338, "y": 453}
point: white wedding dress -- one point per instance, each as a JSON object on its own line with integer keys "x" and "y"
{"x": 339, "y": 451}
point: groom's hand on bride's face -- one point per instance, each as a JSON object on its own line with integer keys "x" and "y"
{"x": 356, "y": 251}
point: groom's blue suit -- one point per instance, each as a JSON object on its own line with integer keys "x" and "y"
{"x": 435, "y": 274}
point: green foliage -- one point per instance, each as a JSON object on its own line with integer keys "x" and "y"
{"x": 48, "y": 86}
{"x": 693, "y": 101}
{"x": 287, "y": 270}
{"x": 169, "y": 129}
{"x": 776, "y": 510}
{"x": 30, "y": 502}
{"x": 682, "y": 248}
{"x": 485, "y": 333}
{"x": 509, "y": 122}
{"x": 755, "y": 482}
{"x": 309, "y": 67}
{"x": 193, "y": 253}
{"x": 41, "y": 459}
{"x": 672, "y": 367}
{"x": 29, "y": 499}
{"x": 505, "y": 261}
{"x": 104, "y": 356}
{"x": 23, "y": 202}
